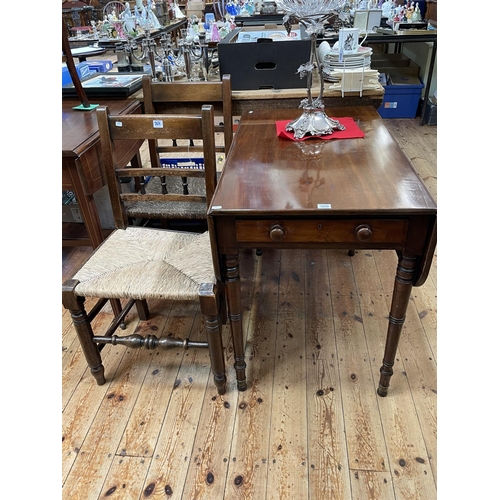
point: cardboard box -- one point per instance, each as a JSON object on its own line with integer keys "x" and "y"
{"x": 394, "y": 63}
{"x": 396, "y": 78}
{"x": 195, "y": 8}
{"x": 71, "y": 213}
{"x": 263, "y": 63}
{"x": 71, "y": 209}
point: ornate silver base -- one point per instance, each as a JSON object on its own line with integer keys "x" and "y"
{"x": 313, "y": 121}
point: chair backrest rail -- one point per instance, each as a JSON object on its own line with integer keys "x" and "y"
{"x": 153, "y": 126}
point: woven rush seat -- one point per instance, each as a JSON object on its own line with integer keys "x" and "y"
{"x": 175, "y": 209}
{"x": 143, "y": 263}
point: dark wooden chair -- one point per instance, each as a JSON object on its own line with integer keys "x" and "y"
{"x": 187, "y": 97}
{"x": 137, "y": 264}
{"x": 78, "y": 15}
{"x": 184, "y": 98}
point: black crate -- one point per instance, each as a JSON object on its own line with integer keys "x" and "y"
{"x": 263, "y": 64}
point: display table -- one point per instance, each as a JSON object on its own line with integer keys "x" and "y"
{"x": 337, "y": 194}
{"x": 110, "y": 43}
{"x": 372, "y": 38}
{"x": 245, "y": 100}
{"x": 81, "y": 170}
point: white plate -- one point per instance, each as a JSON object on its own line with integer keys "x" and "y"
{"x": 364, "y": 63}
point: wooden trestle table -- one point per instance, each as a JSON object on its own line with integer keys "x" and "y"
{"x": 369, "y": 197}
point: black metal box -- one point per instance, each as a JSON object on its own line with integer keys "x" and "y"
{"x": 263, "y": 63}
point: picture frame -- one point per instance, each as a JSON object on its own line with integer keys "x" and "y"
{"x": 107, "y": 85}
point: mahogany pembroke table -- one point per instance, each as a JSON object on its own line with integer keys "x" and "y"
{"x": 369, "y": 197}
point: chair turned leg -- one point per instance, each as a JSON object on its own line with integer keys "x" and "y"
{"x": 117, "y": 309}
{"x": 142, "y": 309}
{"x": 210, "y": 306}
{"x": 83, "y": 328}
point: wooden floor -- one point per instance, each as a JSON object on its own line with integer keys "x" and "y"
{"x": 310, "y": 426}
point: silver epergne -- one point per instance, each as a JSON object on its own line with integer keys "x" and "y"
{"x": 313, "y": 15}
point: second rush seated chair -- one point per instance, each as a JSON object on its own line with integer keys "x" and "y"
{"x": 183, "y": 98}
{"x": 137, "y": 264}
{"x": 187, "y": 97}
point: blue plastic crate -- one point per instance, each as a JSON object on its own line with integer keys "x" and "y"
{"x": 400, "y": 101}
{"x": 189, "y": 163}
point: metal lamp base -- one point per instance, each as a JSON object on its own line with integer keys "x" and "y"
{"x": 314, "y": 122}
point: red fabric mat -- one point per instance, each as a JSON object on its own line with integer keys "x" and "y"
{"x": 352, "y": 131}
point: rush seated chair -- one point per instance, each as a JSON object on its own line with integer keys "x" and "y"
{"x": 184, "y": 98}
{"x": 137, "y": 264}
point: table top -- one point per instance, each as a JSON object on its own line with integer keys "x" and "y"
{"x": 264, "y": 174}
{"x": 88, "y": 51}
{"x": 80, "y": 129}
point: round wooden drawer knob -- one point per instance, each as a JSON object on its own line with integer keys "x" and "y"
{"x": 277, "y": 232}
{"x": 363, "y": 232}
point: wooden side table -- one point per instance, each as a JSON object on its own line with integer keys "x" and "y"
{"x": 81, "y": 171}
{"x": 337, "y": 194}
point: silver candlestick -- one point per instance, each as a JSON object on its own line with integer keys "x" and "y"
{"x": 313, "y": 15}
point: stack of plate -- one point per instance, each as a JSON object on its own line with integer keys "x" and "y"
{"x": 350, "y": 81}
{"x": 332, "y": 65}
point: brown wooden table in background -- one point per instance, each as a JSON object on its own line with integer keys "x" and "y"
{"x": 81, "y": 171}
{"x": 340, "y": 194}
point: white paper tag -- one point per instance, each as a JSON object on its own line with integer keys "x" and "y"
{"x": 216, "y": 207}
{"x": 118, "y": 124}
{"x": 324, "y": 205}
{"x": 157, "y": 123}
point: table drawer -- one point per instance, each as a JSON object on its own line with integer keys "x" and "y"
{"x": 322, "y": 231}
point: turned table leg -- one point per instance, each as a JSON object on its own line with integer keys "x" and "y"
{"x": 233, "y": 287}
{"x": 210, "y": 309}
{"x": 397, "y": 315}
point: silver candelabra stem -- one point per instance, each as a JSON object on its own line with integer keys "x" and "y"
{"x": 313, "y": 15}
